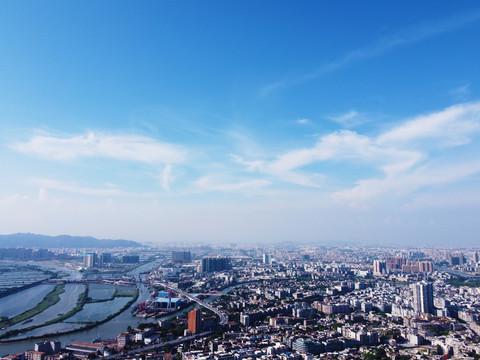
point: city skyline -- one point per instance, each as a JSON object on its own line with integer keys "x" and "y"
{"x": 225, "y": 122}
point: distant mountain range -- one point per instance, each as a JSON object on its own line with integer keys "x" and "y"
{"x": 62, "y": 241}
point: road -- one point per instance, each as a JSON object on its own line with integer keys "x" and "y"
{"x": 223, "y": 316}
{"x": 160, "y": 345}
{"x": 223, "y": 321}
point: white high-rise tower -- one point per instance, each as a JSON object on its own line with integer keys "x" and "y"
{"x": 423, "y": 298}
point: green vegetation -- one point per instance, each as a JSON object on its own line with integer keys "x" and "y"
{"x": 461, "y": 281}
{"x": 77, "y": 308}
{"x": 82, "y": 299}
{"x": 217, "y": 334}
{"x": 49, "y": 300}
{"x": 80, "y": 302}
{"x": 337, "y": 325}
{"x": 438, "y": 331}
{"x": 115, "y": 294}
{"x": 118, "y": 293}
{"x": 377, "y": 354}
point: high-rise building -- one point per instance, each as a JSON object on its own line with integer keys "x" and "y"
{"x": 89, "y": 260}
{"x": 48, "y": 347}
{"x": 267, "y": 258}
{"x": 106, "y": 257}
{"x": 456, "y": 259}
{"x": 423, "y": 298}
{"x": 212, "y": 264}
{"x": 396, "y": 262}
{"x": 379, "y": 267}
{"x": 425, "y": 266}
{"x": 181, "y": 257}
{"x": 245, "y": 319}
{"x": 195, "y": 321}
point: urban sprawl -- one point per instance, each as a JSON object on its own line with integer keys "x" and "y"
{"x": 234, "y": 303}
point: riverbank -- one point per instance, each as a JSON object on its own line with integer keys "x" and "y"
{"x": 68, "y": 315}
{"x": 49, "y": 300}
{"x": 106, "y": 330}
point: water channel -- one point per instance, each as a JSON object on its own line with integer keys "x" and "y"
{"x": 107, "y": 330}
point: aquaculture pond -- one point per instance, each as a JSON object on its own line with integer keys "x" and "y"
{"x": 107, "y": 330}
{"x": 13, "y": 275}
{"x": 126, "y": 288}
{"x": 68, "y": 300}
{"x": 98, "y": 291}
{"x": 98, "y": 311}
{"x": 14, "y": 304}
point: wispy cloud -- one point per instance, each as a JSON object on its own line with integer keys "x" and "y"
{"x": 349, "y": 119}
{"x": 165, "y": 178}
{"x": 461, "y": 92}
{"x": 406, "y": 168}
{"x": 451, "y": 126}
{"x": 403, "y": 37}
{"x": 303, "y": 121}
{"x": 127, "y": 147}
{"x": 211, "y": 183}
{"x": 72, "y": 187}
{"x": 42, "y": 194}
{"x": 408, "y": 182}
{"x": 341, "y": 145}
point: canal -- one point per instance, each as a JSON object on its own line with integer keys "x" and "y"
{"x": 107, "y": 330}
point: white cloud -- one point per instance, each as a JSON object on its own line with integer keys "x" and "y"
{"x": 127, "y": 147}
{"x": 211, "y": 183}
{"x": 52, "y": 184}
{"x": 339, "y": 145}
{"x": 251, "y": 165}
{"x": 451, "y": 126}
{"x": 342, "y": 145}
{"x": 165, "y": 178}
{"x": 410, "y": 181}
{"x": 461, "y": 91}
{"x": 349, "y": 119}
{"x": 405, "y": 168}
{"x": 303, "y": 121}
{"x": 42, "y": 194}
{"x": 13, "y": 199}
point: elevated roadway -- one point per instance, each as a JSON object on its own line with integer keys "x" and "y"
{"x": 223, "y": 316}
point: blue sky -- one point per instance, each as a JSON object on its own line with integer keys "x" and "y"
{"x": 259, "y": 122}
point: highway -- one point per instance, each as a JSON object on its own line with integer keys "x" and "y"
{"x": 223, "y": 321}
{"x": 160, "y": 345}
{"x": 223, "y": 316}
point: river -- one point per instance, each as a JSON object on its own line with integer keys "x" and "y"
{"x": 107, "y": 330}
{"x": 457, "y": 272}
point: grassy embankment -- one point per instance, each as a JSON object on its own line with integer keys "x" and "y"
{"x": 49, "y": 300}
{"x": 82, "y": 300}
{"x": 77, "y": 308}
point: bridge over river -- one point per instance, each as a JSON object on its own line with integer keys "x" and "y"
{"x": 85, "y": 281}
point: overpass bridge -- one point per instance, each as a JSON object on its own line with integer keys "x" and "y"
{"x": 222, "y": 315}
{"x": 84, "y": 281}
